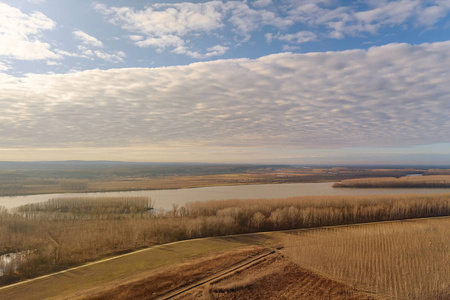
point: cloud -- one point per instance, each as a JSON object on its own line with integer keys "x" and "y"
{"x": 217, "y": 50}
{"x": 371, "y": 98}
{"x": 432, "y": 14}
{"x": 269, "y": 38}
{"x": 290, "y": 48}
{"x": 86, "y": 52}
{"x": 297, "y": 38}
{"x": 166, "y": 19}
{"x": 115, "y": 57}
{"x": 182, "y": 27}
{"x": 366, "y": 16}
{"x": 52, "y": 63}
{"x": 395, "y": 12}
{"x": 20, "y": 34}
{"x": 173, "y": 26}
{"x": 163, "y": 42}
{"x": 3, "y": 67}
{"x": 37, "y": 1}
{"x": 261, "y": 3}
{"x": 135, "y": 37}
{"x": 245, "y": 20}
{"x": 86, "y": 39}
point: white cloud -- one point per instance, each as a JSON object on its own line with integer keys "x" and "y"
{"x": 52, "y": 63}
{"x": 170, "y": 26}
{"x": 163, "y": 42}
{"x": 83, "y": 52}
{"x": 374, "y": 97}
{"x": 261, "y": 3}
{"x": 342, "y": 21}
{"x": 297, "y": 38}
{"x": 165, "y": 19}
{"x": 115, "y": 57}
{"x": 290, "y": 48}
{"x": 20, "y": 34}
{"x": 246, "y": 20}
{"x": 395, "y": 12}
{"x": 3, "y": 67}
{"x": 269, "y": 38}
{"x": 217, "y": 50}
{"x": 177, "y": 27}
{"x": 87, "y": 53}
{"x": 37, "y": 1}
{"x": 432, "y": 14}
{"x": 87, "y": 39}
{"x": 135, "y": 37}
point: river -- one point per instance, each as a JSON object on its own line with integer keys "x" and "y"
{"x": 164, "y": 199}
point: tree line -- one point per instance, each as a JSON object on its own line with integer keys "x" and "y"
{"x": 61, "y": 233}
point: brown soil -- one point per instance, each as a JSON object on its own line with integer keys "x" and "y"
{"x": 273, "y": 277}
{"x": 162, "y": 280}
{"x": 276, "y": 278}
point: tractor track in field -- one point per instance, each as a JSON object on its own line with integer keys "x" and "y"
{"x": 224, "y": 273}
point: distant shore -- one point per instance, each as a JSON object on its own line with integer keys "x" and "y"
{"x": 432, "y": 181}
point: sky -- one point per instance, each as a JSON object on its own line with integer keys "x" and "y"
{"x": 262, "y": 81}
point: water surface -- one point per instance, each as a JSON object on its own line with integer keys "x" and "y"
{"x": 164, "y": 199}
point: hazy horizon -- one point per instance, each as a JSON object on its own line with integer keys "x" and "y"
{"x": 431, "y": 164}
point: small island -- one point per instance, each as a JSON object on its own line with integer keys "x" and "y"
{"x": 432, "y": 181}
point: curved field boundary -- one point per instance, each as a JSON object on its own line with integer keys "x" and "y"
{"x": 244, "y": 264}
{"x": 72, "y": 281}
{"x": 87, "y": 276}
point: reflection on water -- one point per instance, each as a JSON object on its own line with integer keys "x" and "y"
{"x": 9, "y": 262}
{"x": 164, "y": 199}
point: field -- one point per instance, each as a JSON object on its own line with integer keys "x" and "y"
{"x": 401, "y": 260}
{"x": 431, "y": 181}
{"x": 387, "y": 260}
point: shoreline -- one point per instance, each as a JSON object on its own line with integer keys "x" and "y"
{"x": 158, "y": 189}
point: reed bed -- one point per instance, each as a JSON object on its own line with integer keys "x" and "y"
{"x": 407, "y": 260}
{"x": 431, "y": 181}
{"x": 66, "y": 232}
{"x": 90, "y": 205}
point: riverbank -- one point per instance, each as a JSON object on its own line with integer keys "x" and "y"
{"x": 431, "y": 181}
{"x": 166, "y": 199}
{"x": 165, "y": 183}
{"x": 88, "y": 179}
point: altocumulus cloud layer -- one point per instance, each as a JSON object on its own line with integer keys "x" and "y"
{"x": 394, "y": 95}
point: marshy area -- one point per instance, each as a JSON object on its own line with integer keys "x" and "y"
{"x": 61, "y": 233}
{"x": 430, "y": 181}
